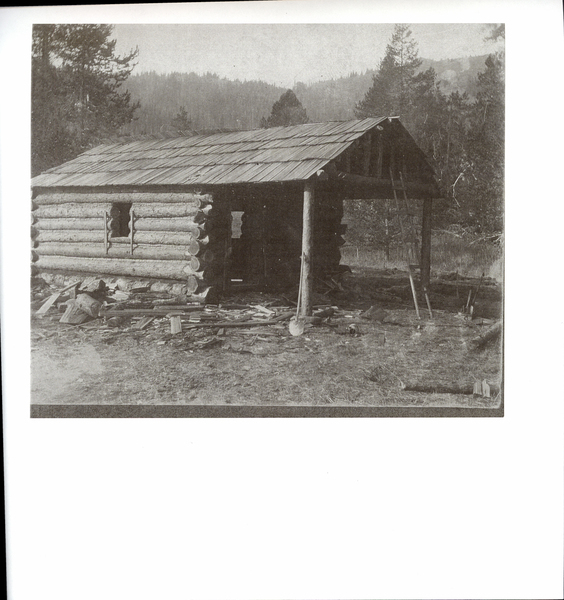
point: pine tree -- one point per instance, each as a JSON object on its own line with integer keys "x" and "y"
{"x": 288, "y": 110}
{"x": 487, "y": 147}
{"x": 182, "y": 121}
{"x": 392, "y": 90}
{"x": 77, "y": 95}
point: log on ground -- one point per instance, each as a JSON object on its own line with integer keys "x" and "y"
{"x": 491, "y": 333}
{"x": 439, "y": 388}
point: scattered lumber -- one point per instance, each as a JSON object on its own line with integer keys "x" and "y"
{"x": 48, "y": 303}
{"x": 161, "y": 310}
{"x": 175, "y": 324}
{"x": 144, "y": 323}
{"x": 92, "y": 285}
{"x": 88, "y": 305}
{"x": 73, "y": 315}
{"x": 283, "y": 317}
{"x": 54, "y": 297}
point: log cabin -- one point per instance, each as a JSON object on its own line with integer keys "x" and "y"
{"x": 261, "y": 207}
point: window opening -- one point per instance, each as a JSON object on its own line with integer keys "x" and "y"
{"x": 236, "y": 222}
{"x": 119, "y": 224}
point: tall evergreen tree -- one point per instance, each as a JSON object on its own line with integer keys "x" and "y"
{"x": 487, "y": 147}
{"x": 288, "y": 110}
{"x": 77, "y": 98}
{"x": 392, "y": 90}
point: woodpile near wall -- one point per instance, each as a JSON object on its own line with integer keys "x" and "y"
{"x": 162, "y": 235}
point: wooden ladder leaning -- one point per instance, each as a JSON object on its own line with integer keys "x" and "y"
{"x": 408, "y": 230}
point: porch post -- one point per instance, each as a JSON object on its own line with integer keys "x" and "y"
{"x": 426, "y": 223}
{"x": 307, "y": 236}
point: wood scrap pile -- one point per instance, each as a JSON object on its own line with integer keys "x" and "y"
{"x": 92, "y": 303}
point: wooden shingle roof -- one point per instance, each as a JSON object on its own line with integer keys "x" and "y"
{"x": 278, "y": 154}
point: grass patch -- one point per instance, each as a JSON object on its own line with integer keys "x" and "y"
{"x": 469, "y": 254}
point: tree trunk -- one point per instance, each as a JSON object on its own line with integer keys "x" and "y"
{"x": 307, "y": 236}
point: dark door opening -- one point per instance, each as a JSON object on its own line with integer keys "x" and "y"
{"x": 237, "y": 271}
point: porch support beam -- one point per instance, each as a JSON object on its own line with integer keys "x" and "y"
{"x": 307, "y": 247}
{"x": 426, "y": 224}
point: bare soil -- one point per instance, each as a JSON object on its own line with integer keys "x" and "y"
{"x": 346, "y": 360}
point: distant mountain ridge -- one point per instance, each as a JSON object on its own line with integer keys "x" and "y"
{"x": 218, "y": 103}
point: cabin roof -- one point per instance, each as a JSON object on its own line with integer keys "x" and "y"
{"x": 278, "y": 154}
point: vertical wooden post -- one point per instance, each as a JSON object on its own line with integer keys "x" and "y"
{"x": 380, "y": 155}
{"x": 228, "y": 255}
{"x": 348, "y": 160}
{"x": 131, "y": 228}
{"x": 426, "y": 223}
{"x": 367, "y": 154}
{"x": 307, "y": 237}
{"x": 392, "y": 159}
{"x": 105, "y": 232}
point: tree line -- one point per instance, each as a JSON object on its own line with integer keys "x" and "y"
{"x": 77, "y": 95}
{"x": 82, "y": 94}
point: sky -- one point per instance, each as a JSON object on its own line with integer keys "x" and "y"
{"x": 283, "y": 54}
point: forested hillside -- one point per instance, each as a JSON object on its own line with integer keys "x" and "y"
{"x": 215, "y": 103}
{"x": 83, "y": 93}
{"x": 210, "y": 101}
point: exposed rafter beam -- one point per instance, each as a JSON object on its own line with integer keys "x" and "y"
{"x": 367, "y": 185}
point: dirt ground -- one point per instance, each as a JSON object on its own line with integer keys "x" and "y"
{"x": 349, "y": 359}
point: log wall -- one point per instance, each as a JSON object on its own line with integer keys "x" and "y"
{"x": 172, "y": 235}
